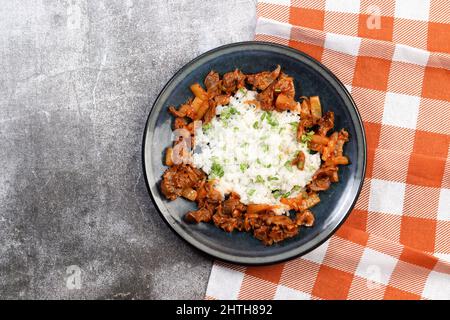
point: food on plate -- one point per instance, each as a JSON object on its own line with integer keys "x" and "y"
{"x": 251, "y": 156}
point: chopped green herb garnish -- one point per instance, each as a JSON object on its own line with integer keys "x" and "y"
{"x": 243, "y": 166}
{"x": 251, "y": 192}
{"x": 207, "y": 126}
{"x": 228, "y": 112}
{"x": 288, "y": 165}
{"x": 296, "y": 188}
{"x": 271, "y": 178}
{"x": 265, "y": 147}
{"x": 307, "y": 137}
{"x": 217, "y": 170}
{"x": 273, "y": 122}
{"x": 276, "y": 193}
{"x": 263, "y": 115}
{"x": 264, "y": 165}
{"x": 294, "y": 125}
{"x": 285, "y": 195}
{"x": 256, "y": 125}
{"x": 270, "y": 120}
{"x": 225, "y": 115}
{"x": 259, "y": 179}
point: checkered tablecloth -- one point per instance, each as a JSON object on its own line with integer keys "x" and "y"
{"x": 394, "y": 58}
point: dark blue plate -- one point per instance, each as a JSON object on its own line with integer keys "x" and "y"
{"x": 311, "y": 78}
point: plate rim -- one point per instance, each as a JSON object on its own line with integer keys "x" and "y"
{"x": 252, "y": 261}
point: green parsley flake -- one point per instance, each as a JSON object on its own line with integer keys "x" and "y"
{"x": 228, "y": 112}
{"x": 243, "y": 167}
{"x": 285, "y": 195}
{"x": 263, "y": 116}
{"x": 217, "y": 170}
{"x": 259, "y": 179}
{"x": 288, "y": 165}
{"x": 307, "y": 137}
{"x": 270, "y": 120}
{"x": 207, "y": 126}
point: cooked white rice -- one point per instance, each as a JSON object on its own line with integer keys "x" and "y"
{"x": 247, "y": 150}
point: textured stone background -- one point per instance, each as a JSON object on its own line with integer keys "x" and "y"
{"x": 77, "y": 80}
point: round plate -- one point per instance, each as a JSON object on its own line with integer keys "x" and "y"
{"x": 311, "y": 78}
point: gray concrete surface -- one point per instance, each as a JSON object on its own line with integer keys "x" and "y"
{"x": 77, "y": 80}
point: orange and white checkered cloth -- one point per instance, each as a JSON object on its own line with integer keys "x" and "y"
{"x": 394, "y": 58}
